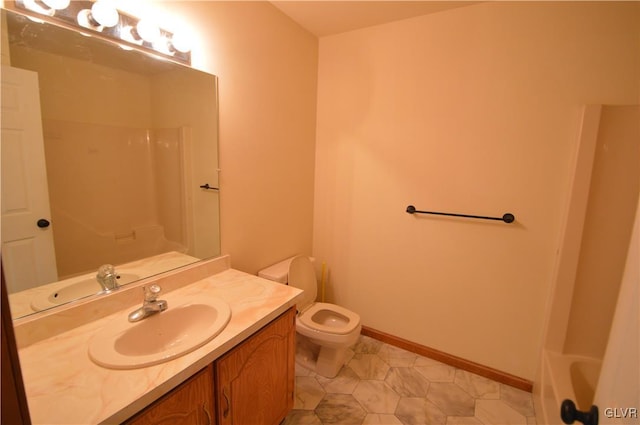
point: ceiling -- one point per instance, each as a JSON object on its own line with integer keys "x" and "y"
{"x": 332, "y": 17}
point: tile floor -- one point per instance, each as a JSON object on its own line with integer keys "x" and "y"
{"x": 383, "y": 384}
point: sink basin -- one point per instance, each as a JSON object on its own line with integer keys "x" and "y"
{"x": 188, "y": 323}
{"x": 73, "y": 291}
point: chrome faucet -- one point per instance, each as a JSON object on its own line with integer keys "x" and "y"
{"x": 107, "y": 278}
{"x": 151, "y": 304}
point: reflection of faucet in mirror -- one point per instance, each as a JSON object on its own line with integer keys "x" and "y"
{"x": 150, "y": 304}
{"x": 107, "y": 278}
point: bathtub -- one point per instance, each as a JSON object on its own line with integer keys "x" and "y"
{"x": 90, "y": 247}
{"x": 567, "y": 377}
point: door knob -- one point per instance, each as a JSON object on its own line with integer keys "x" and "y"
{"x": 43, "y": 223}
{"x": 569, "y": 414}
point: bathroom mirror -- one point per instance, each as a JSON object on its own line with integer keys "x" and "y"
{"x": 117, "y": 152}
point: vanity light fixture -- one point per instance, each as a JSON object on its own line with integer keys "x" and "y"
{"x": 99, "y": 16}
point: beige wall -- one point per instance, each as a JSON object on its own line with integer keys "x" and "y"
{"x": 473, "y": 110}
{"x": 267, "y": 70}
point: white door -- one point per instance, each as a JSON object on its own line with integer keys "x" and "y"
{"x": 618, "y": 392}
{"x": 28, "y": 255}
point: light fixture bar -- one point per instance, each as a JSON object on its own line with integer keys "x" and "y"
{"x": 111, "y": 24}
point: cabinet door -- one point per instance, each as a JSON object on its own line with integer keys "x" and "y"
{"x": 255, "y": 380}
{"x": 189, "y": 404}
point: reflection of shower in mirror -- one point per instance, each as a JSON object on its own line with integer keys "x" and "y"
{"x": 97, "y": 209}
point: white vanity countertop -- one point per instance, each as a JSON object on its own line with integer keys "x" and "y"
{"x": 64, "y": 386}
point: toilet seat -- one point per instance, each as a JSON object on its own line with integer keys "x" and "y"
{"x": 307, "y": 318}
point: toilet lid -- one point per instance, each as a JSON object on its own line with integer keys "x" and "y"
{"x": 302, "y": 275}
{"x": 306, "y": 317}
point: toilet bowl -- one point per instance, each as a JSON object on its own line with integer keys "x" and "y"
{"x": 332, "y": 327}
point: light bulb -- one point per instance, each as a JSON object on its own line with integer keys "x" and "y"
{"x": 148, "y": 30}
{"x": 104, "y": 14}
{"x": 181, "y": 42}
{"x": 130, "y": 35}
{"x": 162, "y": 45}
{"x": 85, "y": 20}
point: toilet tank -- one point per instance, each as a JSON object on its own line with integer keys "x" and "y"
{"x": 279, "y": 272}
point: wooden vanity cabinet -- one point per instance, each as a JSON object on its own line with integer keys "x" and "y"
{"x": 255, "y": 380}
{"x": 252, "y": 384}
{"x": 191, "y": 403}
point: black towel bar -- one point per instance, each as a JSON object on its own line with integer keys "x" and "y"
{"x": 507, "y": 218}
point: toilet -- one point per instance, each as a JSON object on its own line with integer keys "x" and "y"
{"x": 333, "y": 328}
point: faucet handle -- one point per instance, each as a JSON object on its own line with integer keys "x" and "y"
{"x": 107, "y": 278}
{"x": 151, "y": 292}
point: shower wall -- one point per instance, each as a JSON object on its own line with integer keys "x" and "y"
{"x": 613, "y": 196}
{"x": 176, "y": 104}
{"x": 169, "y": 170}
{"x": 591, "y": 261}
{"x": 113, "y": 193}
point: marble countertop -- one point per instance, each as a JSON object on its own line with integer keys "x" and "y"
{"x": 64, "y": 386}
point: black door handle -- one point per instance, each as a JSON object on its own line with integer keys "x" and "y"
{"x": 43, "y": 223}
{"x": 569, "y": 414}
